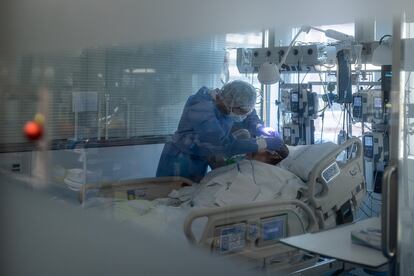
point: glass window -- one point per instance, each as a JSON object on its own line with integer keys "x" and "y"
{"x": 114, "y": 93}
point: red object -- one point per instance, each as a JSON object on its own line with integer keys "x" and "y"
{"x": 33, "y": 130}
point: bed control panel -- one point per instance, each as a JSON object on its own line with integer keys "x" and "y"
{"x": 330, "y": 172}
{"x": 272, "y": 230}
{"x": 233, "y": 238}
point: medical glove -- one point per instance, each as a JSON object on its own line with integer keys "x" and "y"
{"x": 266, "y": 131}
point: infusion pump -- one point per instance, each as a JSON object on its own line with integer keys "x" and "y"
{"x": 367, "y": 106}
{"x": 299, "y": 108}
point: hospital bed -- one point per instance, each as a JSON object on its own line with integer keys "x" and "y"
{"x": 334, "y": 189}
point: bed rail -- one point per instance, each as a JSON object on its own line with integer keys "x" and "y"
{"x": 258, "y": 208}
{"x": 335, "y": 191}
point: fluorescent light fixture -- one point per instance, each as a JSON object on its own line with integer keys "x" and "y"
{"x": 140, "y": 71}
{"x": 143, "y": 71}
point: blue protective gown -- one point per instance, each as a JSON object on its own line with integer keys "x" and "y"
{"x": 203, "y": 131}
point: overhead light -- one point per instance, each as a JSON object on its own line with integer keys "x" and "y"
{"x": 268, "y": 73}
{"x": 382, "y": 55}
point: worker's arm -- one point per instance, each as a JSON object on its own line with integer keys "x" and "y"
{"x": 212, "y": 137}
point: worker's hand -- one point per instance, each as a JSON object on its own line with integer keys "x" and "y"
{"x": 266, "y": 131}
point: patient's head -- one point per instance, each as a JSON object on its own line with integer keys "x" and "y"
{"x": 269, "y": 157}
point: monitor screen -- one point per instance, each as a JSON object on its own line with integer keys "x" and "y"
{"x": 295, "y": 97}
{"x": 357, "y": 101}
{"x": 232, "y": 237}
{"x": 273, "y": 228}
{"x": 377, "y": 102}
{"x": 368, "y": 141}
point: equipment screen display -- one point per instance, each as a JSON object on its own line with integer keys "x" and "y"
{"x": 232, "y": 237}
{"x": 357, "y": 101}
{"x": 377, "y": 102}
{"x": 295, "y": 97}
{"x": 368, "y": 141}
{"x": 273, "y": 229}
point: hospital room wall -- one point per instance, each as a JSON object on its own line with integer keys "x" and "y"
{"x": 104, "y": 164}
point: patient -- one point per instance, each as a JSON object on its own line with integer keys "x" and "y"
{"x": 252, "y": 179}
{"x": 269, "y": 157}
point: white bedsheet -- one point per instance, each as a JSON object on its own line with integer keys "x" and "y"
{"x": 248, "y": 181}
{"x": 156, "y": 216}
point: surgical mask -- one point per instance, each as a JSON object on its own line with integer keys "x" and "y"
{"x": 237, "y": 118}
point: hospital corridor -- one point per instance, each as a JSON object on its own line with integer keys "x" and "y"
{"x": 206, "y": 137}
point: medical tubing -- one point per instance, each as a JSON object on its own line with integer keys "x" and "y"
{"x": 261, "y": 143}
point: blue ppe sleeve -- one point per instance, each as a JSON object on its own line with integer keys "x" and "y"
{"x": 213, "y": 139}
{"x": 241, "y": 147}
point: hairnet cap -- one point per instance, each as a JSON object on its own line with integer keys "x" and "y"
{"x": 239, "y": 94}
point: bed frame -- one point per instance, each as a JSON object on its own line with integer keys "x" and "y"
{"x": 319, "y": 207}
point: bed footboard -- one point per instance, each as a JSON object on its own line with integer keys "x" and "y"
{"x": 143, "y": 188}
{"x": 256, "y": 225}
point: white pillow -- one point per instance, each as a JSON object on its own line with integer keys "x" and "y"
{"x": 302, "y": 159}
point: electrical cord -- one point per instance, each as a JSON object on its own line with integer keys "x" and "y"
{"x": 372, "y": 86}
{"x": 383, "y": 37}
{"x": 323, "y": 122}
{"x": 304, "y": 77}
{"x": 324, "y": 88}
{"x": 253, "y": 173}
{"x": 324, "y": 108}
{"x": 339, "y": 122}
{"x": 408, "y": 80}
